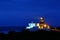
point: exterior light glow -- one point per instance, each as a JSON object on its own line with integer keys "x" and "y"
{"x": 38, "y": 25}
{"x": 48, "y": 27}
{"x": 45, "y": 25}
{"x": 41, "y": 18}
{"x": 42, "y": 27}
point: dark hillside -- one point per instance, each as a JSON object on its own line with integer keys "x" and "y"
{"x": 25, "y": 34}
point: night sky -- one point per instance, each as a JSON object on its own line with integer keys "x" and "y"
{"x": 20, "y": 12}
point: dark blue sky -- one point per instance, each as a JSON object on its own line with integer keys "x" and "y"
{"x": 20, "y": 12}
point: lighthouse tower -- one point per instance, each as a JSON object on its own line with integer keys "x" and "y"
{"x": 41, "y": 20}
{"x": 42, "y": 24}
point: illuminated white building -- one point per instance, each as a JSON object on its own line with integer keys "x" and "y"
{"x": 31, "y": 25}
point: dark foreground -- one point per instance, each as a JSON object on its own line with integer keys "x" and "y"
{"x": 27, "y": 35}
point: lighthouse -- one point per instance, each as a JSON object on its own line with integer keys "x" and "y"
{"x": 39, "y": 25}
{"x": 42, "y": 24}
